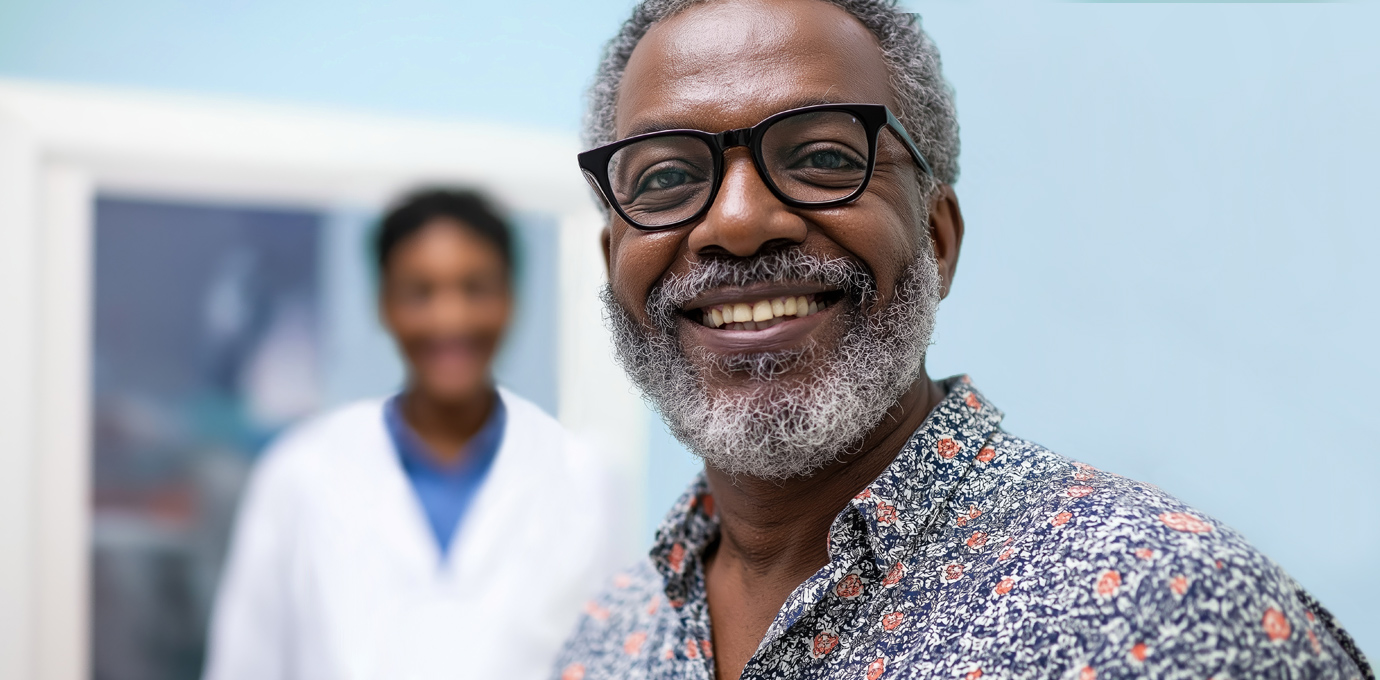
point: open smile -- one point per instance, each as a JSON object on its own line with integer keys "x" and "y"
{"x": 757, "y": 318}
{"x": 759, "y": 315}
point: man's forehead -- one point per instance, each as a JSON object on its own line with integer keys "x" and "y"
{"x": 731, "y": 63}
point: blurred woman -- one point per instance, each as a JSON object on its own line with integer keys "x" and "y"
{"x": 444, "y": 532}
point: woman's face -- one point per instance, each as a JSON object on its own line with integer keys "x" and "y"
{"x": 445, "y": 298}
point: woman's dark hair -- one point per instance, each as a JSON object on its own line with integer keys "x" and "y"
{"x": 416, "y": 210}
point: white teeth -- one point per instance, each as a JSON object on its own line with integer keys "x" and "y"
{"x": 761, "y": 311}
{"x": 759, "y": 315}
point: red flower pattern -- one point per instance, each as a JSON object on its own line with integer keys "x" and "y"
{"x": 1061, "y": 519}
{"x": 886, "y": 512}
{"x": 707, "y": 648}
{"x": 953, "y": 572}
{"x": 633, "y": 643}
{"x": 1078, "y": 491}
{"x": 972, "y": 401}
{"x": 986, "y": 454}
{"x": 1005, "y": 585}
{"x": 692, "y": 650}
{"x": 876, "y": 668}
{"x": 1179, "y": 585}
{"x": 595, "y": 611}
{"x": 1108, "y": 583}
{"x": 1005, "y": 554}
{"x": 1145, "y": 553}
{"x": 973, "y": 674}
{"x": 1182, "y": 521}
{"x": 1313, "y": 640}
{"x": 947, "y": 447}
{"x": 1140, "y": 651}
{"x": 977, "y": 540}
{"x": 1087, "y": 673}
{"x": 850, "y": 587}
{"x": 574, "y": 671}
{"x": 892, "y": 620}
{"x": 823, "y": 643}
{"x": 1276, "y": 625}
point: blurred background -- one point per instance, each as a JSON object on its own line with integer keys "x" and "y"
{"x": 1170, "y": 268}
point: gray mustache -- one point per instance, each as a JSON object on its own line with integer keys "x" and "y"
{"x": 788, "y": 265}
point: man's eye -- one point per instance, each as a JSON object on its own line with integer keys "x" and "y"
{"x": 828, "y": 160}
{"x": 665, "y": 179}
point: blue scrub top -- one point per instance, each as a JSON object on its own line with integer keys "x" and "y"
{"x": 445, "y": 491}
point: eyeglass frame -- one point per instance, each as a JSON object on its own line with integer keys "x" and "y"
{"x": 594, "y": 163}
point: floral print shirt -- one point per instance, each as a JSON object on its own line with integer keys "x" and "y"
{"x": 977, "y": 554}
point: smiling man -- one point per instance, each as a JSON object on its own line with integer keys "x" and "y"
{"x": 781, "y": 230}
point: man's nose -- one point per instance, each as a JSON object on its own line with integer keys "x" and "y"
{"x": 746, "y": 216}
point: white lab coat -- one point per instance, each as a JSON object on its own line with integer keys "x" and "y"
{"x": 334, "y": 573}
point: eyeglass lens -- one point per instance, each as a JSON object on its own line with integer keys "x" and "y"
{"x": 811, "y": 157}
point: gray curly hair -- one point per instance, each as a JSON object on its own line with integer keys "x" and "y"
{"x": 925, "y": 100}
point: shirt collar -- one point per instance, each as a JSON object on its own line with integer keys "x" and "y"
{"x": 889, "y": 516}
{"x": 906, "y": 500}
{"x": 475, "y": 456}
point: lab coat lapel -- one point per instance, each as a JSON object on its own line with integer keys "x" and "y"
{"x": 400, "y": 518}
{"x": 478, "y": 546}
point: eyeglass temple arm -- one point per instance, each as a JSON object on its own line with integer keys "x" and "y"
{"x": 900, "y": 131}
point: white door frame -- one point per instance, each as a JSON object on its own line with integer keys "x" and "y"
{"x": 61, "y": 145}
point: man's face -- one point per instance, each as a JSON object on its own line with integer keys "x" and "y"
{"x": 731, "y": 393}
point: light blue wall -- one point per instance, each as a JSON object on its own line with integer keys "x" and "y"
{"x": 1170, "y": 269}
{"x": 518, "y": 62}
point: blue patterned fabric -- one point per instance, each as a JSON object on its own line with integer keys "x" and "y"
{"x": 445, "y": 491}
{"x": 980, "y": 555}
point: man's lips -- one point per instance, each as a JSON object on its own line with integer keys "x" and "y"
{"x": 777, "y": 335}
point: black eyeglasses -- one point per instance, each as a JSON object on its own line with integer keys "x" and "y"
{"x": 811, "y": 157}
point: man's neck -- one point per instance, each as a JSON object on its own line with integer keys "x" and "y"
{"x": 773, "y": 534}
{"x": 445, "y": 426}
{"x": 780, "y": 526}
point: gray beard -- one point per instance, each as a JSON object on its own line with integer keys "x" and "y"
{"x": 787, "y": 427}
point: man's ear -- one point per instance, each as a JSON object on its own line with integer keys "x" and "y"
{"x": 946, "y": 234}
{"x": 605, "y": 238}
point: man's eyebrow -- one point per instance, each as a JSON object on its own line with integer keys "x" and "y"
{"x": 672, "y": 123}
